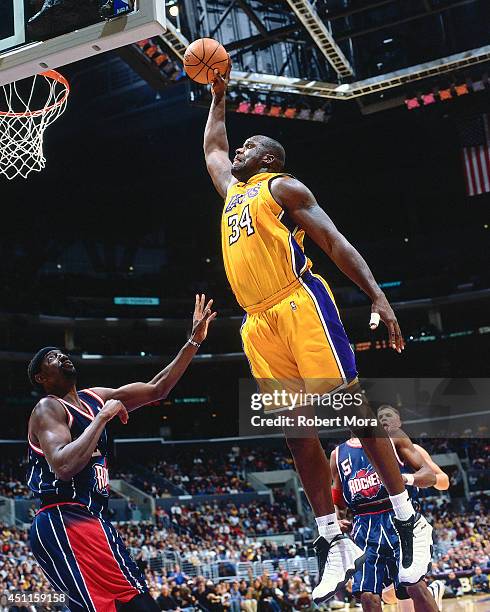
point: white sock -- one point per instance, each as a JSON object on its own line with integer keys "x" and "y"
{"x": 402, "y": 506}
{"x": 328, "y": 526}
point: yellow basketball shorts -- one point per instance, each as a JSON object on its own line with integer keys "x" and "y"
{"x": 300, "y": 343}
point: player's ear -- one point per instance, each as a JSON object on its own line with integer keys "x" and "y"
{"x": 268, "y": 159}
{"x": 39, "y": 378}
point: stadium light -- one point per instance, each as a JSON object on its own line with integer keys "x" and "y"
{"x": 412, "y": 103}
{"x": 244, "y": 107}
{"x": 155, "y": 55}
{"x": 428, "y": 99}
{"x": 259, "y": 109}
{"x": 445, "y": 94}
{"x": 290, "y": 112}
{"x": 275, "y": 110}
{"x": 462, "y": 90}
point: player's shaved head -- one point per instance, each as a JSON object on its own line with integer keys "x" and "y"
{"x": 258, "y": 154}
{"x": 275, "y": 148}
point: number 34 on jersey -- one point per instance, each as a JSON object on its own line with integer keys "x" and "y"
{"x": 239, "y": 223}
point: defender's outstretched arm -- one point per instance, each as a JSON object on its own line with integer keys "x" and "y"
{"x": 216, "y": 148}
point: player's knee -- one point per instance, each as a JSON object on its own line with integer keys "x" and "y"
{"x": 371, "y": 602}
{"x": 143, "y": 602}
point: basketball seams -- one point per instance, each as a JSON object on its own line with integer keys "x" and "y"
{"x": 208, "y": 60}
{"x": 199, "y": 60}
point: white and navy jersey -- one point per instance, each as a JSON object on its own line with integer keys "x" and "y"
{"x": 362, "y": 488}
{"x": 90, "y": 486}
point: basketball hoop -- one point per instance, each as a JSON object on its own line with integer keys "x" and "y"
{"x": 22, "y": 128}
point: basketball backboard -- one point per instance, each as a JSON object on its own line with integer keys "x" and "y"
{"x": 20, "y": 59}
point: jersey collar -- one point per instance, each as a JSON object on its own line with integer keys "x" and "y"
{"x": 253, "y": 179}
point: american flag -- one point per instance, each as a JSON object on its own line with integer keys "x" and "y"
{"x": 475, "y": 139}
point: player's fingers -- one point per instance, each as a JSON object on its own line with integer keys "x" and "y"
{"x": 209, "y": 304}
{"x": 212, "y": 316}
{"x": 203, "y": 299}
{"x": 374, "y": 320}
{"x": 123, "y": 413}
{"x": 400, "y": 342}
{"x": 392, "y": 334}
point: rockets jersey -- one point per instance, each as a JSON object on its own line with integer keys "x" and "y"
{"x": 362, "y": 488}
{"x": 262, "y": 248}
{"x": 90, "y": 486}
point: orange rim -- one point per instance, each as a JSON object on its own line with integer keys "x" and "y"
{"x": 54, "y": 76}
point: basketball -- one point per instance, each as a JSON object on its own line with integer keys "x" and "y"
{"x": 203, "y": 57}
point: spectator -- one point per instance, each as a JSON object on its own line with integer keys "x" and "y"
{"x": 177, "y": 576}
{"x": 454, "y": 588}
{"x": 235, "y": 597}
{"x": 249, "y": 602}
{"x": 479, "y": 582}
{"x": 166, "y": 601}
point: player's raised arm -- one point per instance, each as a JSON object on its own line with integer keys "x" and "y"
{"x": 139, "y": 394}
{"x": 303, "y": 208}
{"x": 216, "y": 148}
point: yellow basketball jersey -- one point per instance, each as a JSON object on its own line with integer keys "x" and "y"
{"x": 262, "y": 250}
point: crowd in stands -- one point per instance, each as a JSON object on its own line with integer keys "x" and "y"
{"x": 220, "y": 469}
{"x": 267, "y": 593}
{"x": 462, "y": 539}
{"x": 213, "y": 471}
{"x": 13, "y": 479}
{"x": 174, "y": 551}
{"x": 188, "y": 538}
{"x": 18, "y": 568}
{"x": 203, "y": 475}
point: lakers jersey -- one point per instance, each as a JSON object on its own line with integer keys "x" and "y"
{"x": 262, "y": 249}
{"x": 90, "y": 486}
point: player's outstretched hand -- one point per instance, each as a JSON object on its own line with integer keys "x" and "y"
{"x": 112, "y": 408}
{"x": 203, "y": 315}
{"x": 220, "y": 83}
{"x": 381, "y": 309}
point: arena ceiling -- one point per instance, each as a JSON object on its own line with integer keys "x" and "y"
{"x": 341, "y": 48}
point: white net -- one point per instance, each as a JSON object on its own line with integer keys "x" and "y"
{"x": 22, "y": 127}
